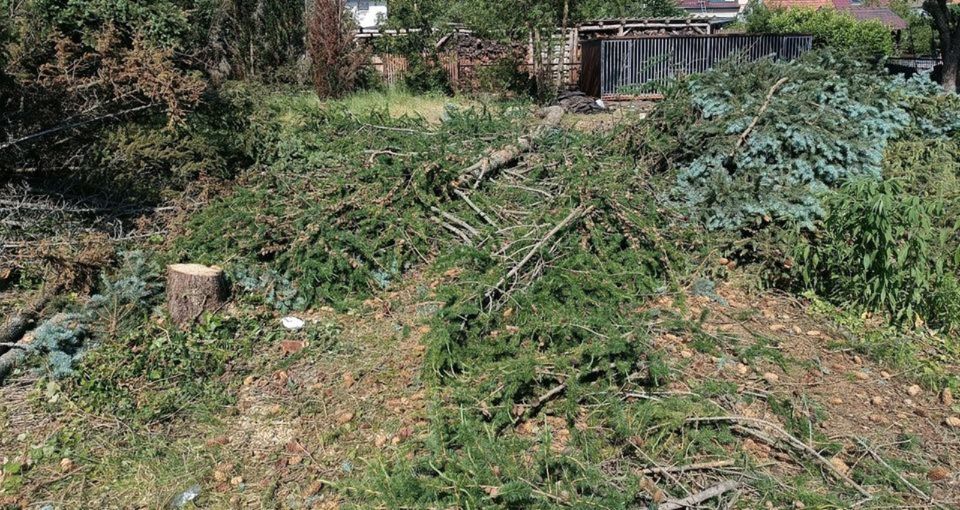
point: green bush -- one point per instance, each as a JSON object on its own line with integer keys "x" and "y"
{"x": 880, "y": 249}
{"x": 829, "y": 27}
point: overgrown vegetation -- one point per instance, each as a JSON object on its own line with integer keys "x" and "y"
{"x": 829, "y": 28}
{"x": 563, "y": 283}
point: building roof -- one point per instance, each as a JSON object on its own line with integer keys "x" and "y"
{"x": 882, "y": 14}
{"x": 880, "y": 10}
{"x": 710, "y": 5}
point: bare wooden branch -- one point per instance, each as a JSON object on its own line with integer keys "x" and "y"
{"x": 573, "y": 216}
{"x": 476, "y": 209}
{"x": 74, "y": 125}
{"x": 792, "y": 440}
{"x": 700, "y": 497}
{"x": 457, "y": 220}
{"x": 689, "y": 467}
{"x": 756, "y": 119}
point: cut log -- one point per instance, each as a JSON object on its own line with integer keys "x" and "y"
{"x": 193, "y": 289}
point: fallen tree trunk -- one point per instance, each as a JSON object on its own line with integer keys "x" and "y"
{"x": 474, "y": 174}
{"x": 16, "y": 326}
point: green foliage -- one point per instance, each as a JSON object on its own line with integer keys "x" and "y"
{"x": 151, "y": 373}
{"x": 744, "y": 160}
{"x": 620, "y": 9}
{"x": 829, "y": 27}
{"x": 919, "y": 37}
{"x": 322, "y": 213}
{"x": 123, "y": 300}
{"x": 164, "y": 22}
{"x": 882, "y": 251}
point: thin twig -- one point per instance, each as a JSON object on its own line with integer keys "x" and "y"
{"x": 903, "y": 479}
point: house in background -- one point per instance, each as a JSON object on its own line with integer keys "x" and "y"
{"x": 732, "y": 9}
{"x": 727, "y": 10}
{"x": 368, "y": 13}
{"x": 877, "y": 10}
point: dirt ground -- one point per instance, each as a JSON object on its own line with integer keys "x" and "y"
{"x": 314, "y": 419}
{"x": 850, "y": 398}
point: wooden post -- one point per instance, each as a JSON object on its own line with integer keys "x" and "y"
{"x": 193, "y": 289}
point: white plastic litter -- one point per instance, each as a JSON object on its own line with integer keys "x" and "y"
{"x": 185, "y": 497}
{"x": 601, "y": 104}
{"x": 292, "y": 323}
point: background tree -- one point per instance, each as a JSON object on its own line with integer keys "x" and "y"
{"x": 946, "y": 20}
{"x": 334, "y": 53}
{"x": 829, "y": 28}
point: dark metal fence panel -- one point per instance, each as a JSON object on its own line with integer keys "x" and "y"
{"x": 641, "y": 65}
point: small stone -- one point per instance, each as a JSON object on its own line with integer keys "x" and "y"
{"x": 348, "y": 379}
{"x": 836, "y": 401}
{"x": 248, "y": 380}
{"x": 686, "y": 354}
{"x": 884, "y": 374}
{"x": 914, "y": 390}
{"x": 66, "y": 464}
{"x": 946, "y": 397}
{"x": 293, "y": 461}
{"x": 723, "y": 261}
{"x": 908, "y": 402}
{"x": 220, "y": 476}
{"x": 345, "y": 418}
{"x": 797, "y": 330}
{"x": 938, "y": 473}
{"x": 876, "y": 401}
{"x": 839, "y": 465}
{"x": 863, "y": 376}
{"x": 742, "y": 369}
{"x": 953, "y": 422}
{"x": 771, "y": 377}
{"x": 777, "y": 327}
{"x": 799, "y": 505}
{"x": 876, "y": 418}
{"x": 236, "y": 481}
{"x": 858, "y": 360}
{"x": 813, "y": 333}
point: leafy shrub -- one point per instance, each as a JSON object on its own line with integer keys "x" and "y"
{"x": 506, "y": 76}
{"x": 829, "y": 27}
{"x": 880, "y": 249}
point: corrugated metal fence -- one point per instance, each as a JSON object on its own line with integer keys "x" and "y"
{"x": 641, "y": 65}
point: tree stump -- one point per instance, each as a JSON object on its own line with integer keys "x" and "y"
{"x": 193, "y": 289}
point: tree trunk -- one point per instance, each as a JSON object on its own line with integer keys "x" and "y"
{"x": 193, "y": 289}
{"x": 951, "y": 66}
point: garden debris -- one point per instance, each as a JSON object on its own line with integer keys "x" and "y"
{"x": 578, "y": 102}
{"x": 292, "y": 323}
{"x": 181, "y": 500}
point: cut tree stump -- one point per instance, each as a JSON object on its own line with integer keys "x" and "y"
{"x": 193, "y": 289}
